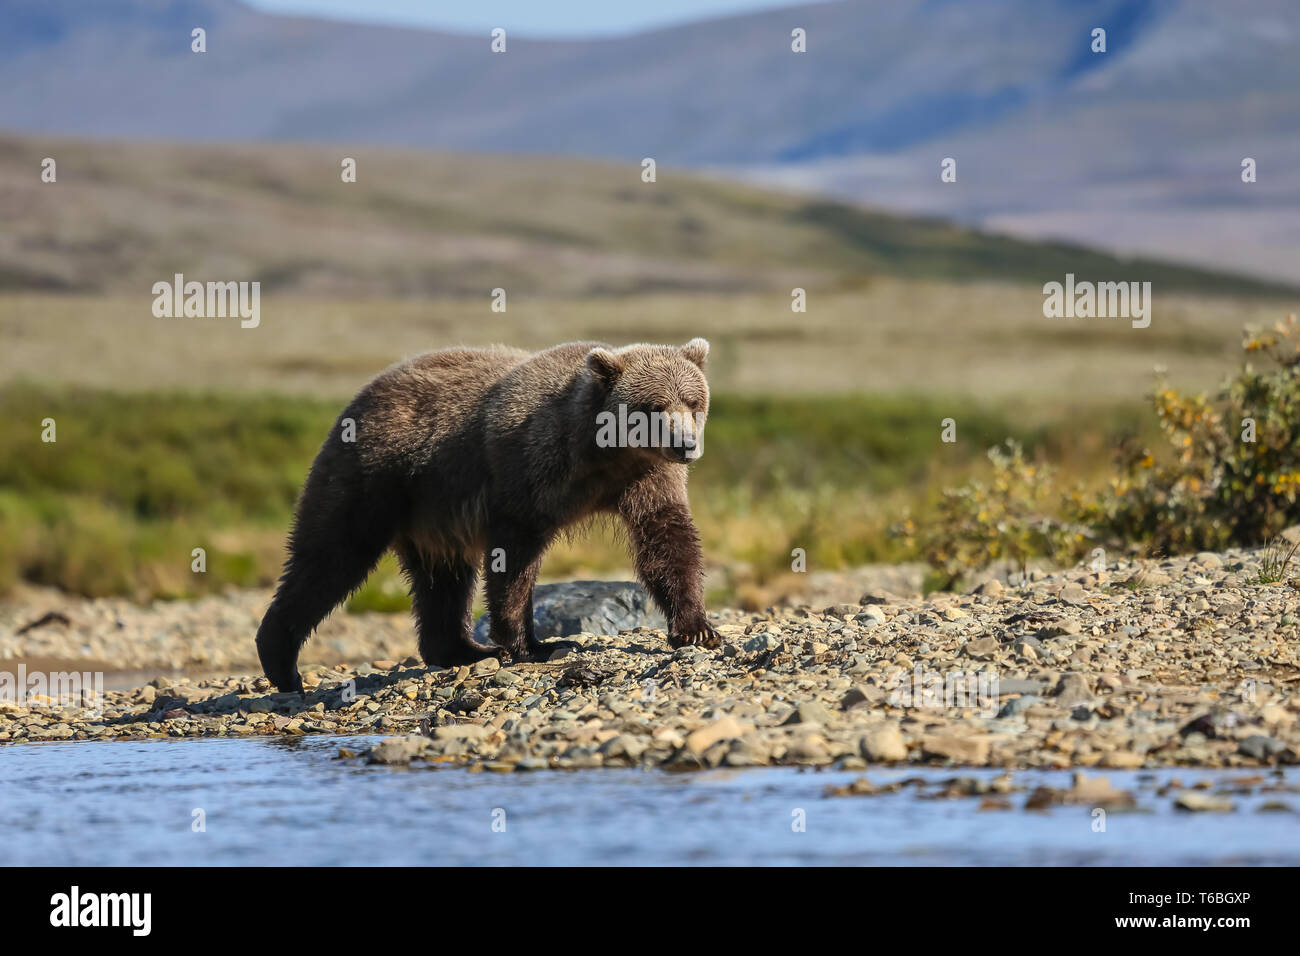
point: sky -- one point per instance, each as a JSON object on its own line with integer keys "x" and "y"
{"x": 548, "y": 18}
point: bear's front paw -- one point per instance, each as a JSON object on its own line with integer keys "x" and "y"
{"x": 698, "y": 632}
{"x": 289, "y": 683}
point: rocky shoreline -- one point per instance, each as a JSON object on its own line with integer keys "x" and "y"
{"x": 1183, "y": 662}
{"x": 214, "y": 635}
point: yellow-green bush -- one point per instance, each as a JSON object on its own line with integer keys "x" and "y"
{"x": 1228, "y": 475}
{"x": 1016, "y": 514}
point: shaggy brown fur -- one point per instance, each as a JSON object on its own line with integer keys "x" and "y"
{"x": 461, "y": 452}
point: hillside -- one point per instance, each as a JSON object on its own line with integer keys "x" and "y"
{"x": 122, "y": 216}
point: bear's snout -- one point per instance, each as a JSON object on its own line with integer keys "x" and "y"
{"x": 687, "y": 444}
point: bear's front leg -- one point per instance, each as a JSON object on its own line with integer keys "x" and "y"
{"x": 670, "y": 563}
{"x": 513, "y": 560}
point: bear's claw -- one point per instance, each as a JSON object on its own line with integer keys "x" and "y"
{"x": 701, "y": 636}
{"x": 287, "y": 684}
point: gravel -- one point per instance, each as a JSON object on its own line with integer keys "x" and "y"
{"x": 1182, "y": 662}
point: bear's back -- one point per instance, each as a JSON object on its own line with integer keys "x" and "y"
{"x": 429, "y": 405}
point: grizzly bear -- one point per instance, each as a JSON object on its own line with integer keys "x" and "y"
{"x": 461, "y": 458}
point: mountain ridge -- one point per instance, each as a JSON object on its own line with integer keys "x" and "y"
{"x": 1137, "y": 149}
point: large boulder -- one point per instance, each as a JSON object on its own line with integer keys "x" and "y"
{"x": 593, "y": 607}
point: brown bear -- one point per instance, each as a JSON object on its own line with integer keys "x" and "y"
{"x": 462, "y": 458}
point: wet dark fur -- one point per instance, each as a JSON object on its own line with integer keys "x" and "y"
{"x": 460, "y": 452}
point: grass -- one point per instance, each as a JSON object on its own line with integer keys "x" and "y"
{"x": 1275, "y": 560}
{"x": 136, "y": 481}
{"x": 983, "y": 339}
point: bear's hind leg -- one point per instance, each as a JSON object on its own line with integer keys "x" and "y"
{"x": 322, "y": 570}
{"x": 341, "y": 529}
{"x": 442, "y": 598}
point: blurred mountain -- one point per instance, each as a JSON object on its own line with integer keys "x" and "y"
{"x": 1137, "y": 149}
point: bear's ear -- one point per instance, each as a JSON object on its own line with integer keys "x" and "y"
{"x": 605, "y": 365}
{"x": 696, "y": 350}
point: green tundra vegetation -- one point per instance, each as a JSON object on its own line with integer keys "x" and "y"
{"x": 135, "y": 481}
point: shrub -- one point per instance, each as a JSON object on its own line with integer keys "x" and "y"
{"x": 1229, "y": 476}
{"x": 1015, "y": 515}
{"x": 1213, "y": 487}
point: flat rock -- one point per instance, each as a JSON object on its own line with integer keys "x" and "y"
{"x": 860, "y": 696}
{"x": 1017, "y": 704}
{"x": 460, "y": 732}
{"x": 397, "y": 750}
{"x": 586, "y": 607}
{"x": 1122, "y": 760}
{"x": 809, "y": 712}
{"x": 1072, "y": 594}
{"x": 883, "y": 744}
{"x": 981, "y": 649}
{"x": 1017, "y": 685}
{"x": 972, "y": 750}
{"x": 1261, "y": 747}
{"x": 1072, "y": 690}
{"x": 725, "y": 728}
{"x": 1197, "y": 802}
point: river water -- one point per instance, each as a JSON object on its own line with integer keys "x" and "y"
{"x": 290, "y": 801}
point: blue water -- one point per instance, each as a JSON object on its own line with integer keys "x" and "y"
{"x": 272, "y": 801}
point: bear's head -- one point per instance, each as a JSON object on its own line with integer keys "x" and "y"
{"x": 654, "y": 398}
